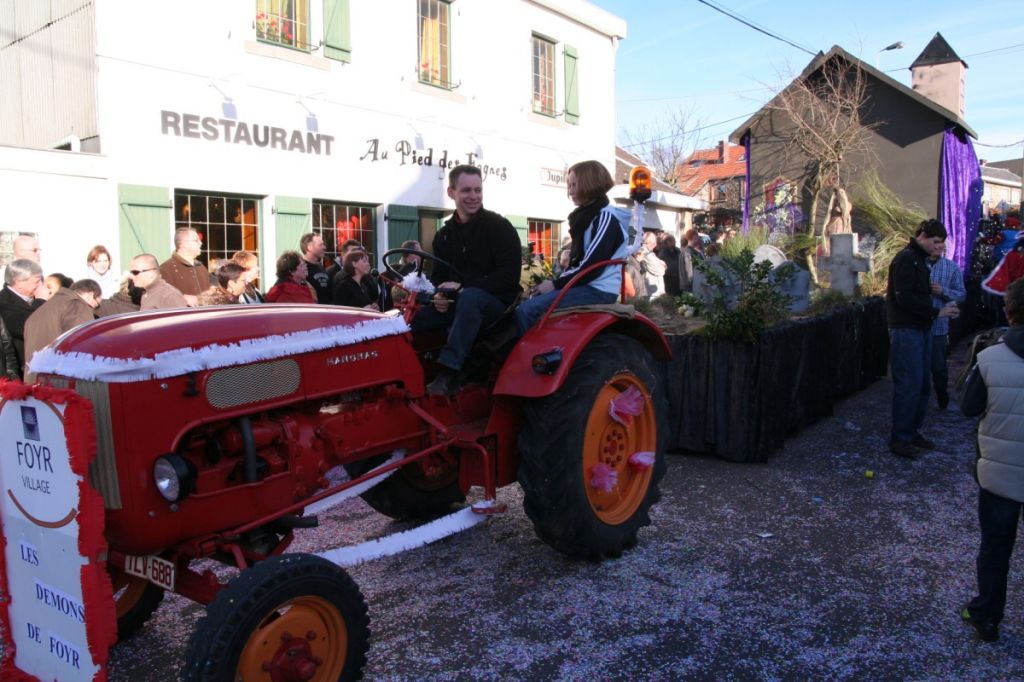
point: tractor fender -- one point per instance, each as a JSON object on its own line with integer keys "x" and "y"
{"x": 569, "y": 333}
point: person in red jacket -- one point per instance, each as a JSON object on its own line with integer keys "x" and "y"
{"x": 291, "y": 286}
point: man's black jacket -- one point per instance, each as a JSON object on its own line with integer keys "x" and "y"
{"x": 908, "y": 300}
{"x": 486, "y": 251}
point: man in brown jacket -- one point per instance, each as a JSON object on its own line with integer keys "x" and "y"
{"x": 65, "y": 310}
{"x": 145, "y": 274}
{"x": 182, "y": 271}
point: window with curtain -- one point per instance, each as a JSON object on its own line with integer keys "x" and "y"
{"x": 544, "y": 235}
{"x": 543, "y": 76}
{"x": 434, "y": 42}
{"x": 337, "y": 223}
{"x": 283, "y": 22}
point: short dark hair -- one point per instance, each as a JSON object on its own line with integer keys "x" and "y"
{"x": 305, "y": 241}
{"x": 351, "y": 244}
{"x": 86, "y": 286}
{"x": 287, "y": 263}
{"x": 931, "y": 228}
{"x": 592, "y": 180}
{"x": 1014, "y": 302}
{"x": 228, "y": 272}
{"x": 65, "y": 281}
{"x": 464, "y": 169}
{"x": 349, "y": 264}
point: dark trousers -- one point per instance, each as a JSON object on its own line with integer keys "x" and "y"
{"x": 474, "y": 309}
{"x": 910, "y": 352}
{"x": 940, "y": 370}
{"x": 998, "y": 517}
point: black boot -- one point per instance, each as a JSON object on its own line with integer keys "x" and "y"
{"x": 446, "y": 383}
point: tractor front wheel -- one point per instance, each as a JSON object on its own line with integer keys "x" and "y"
{"x": 290, "y": 617}
{"x": 589, "y": 479}
{"x": 135, "y": 600}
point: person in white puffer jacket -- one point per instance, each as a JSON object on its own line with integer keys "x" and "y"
{"x": 995, "y": 390}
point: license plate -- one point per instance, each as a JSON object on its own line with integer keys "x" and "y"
{"x": 154, "y": 569}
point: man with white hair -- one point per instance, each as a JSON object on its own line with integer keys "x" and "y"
{"x": 26, "y": 247}
{"x": 17, "y": 301}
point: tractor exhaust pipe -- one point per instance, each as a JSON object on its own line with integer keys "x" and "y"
{"x": 249, "y": 449}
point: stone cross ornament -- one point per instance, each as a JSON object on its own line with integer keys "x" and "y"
{"x": 845, "y": 264}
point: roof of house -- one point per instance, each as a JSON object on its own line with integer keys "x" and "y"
{"x": 1001, "y": 175}
{"x": 624, "y": 162}
{"x": 938, "y": 51}
{"x": 839, "y": 53}
{"x": 691, "y": 178}
{"x": 1009, "y": 164}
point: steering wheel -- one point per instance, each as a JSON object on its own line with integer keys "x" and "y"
{"x": 411, "y": 302}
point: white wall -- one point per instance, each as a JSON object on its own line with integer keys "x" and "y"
{"x": 65, "y": 198}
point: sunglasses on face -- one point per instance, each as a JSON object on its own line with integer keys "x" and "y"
{"x": 136, "y": 273}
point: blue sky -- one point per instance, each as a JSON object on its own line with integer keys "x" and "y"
{"x": 681, "y": 54}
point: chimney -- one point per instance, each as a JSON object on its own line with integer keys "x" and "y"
{"x": 941, "y": 76}
{"x": 722, "y": 146}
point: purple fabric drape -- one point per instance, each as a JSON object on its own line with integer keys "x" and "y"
{"x": 746, "y": 189}
{"x": 961, "y": 195}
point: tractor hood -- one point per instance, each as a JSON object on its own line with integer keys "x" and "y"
{"x": 165, "y": 343}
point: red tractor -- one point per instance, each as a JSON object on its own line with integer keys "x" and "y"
{"x": 217, "y": 427}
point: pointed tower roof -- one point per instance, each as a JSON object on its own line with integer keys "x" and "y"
{"x": 937, "y": 51}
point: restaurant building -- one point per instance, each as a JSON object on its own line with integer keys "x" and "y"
{"x": 255, "y": 121}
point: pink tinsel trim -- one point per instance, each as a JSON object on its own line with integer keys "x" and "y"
{"x": 641, "y": 461}
{"x": 627, "y": 405}
{"x": 603, "y": 477}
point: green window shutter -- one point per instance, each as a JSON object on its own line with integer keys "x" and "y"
{"x": 144, "y": 222}
{"x": 522, "y": 226}
{"x": 403, "y": 225}
{"x": 294, "y": 217}
{"x": 572, "y": 88}
{"x": 337, "y": 41}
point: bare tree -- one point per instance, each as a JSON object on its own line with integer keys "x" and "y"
{"x": 666, "y": 143}
{"x": 829, "y": 134}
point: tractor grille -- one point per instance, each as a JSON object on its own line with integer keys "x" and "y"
{"x": 233, "y": 386}
{"x": 103, "y": 470}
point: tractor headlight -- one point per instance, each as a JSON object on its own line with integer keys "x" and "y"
{"x": 174, "y": 477}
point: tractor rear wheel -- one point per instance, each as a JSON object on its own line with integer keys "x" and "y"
{"x": 584, "y": 490}
{"x": 416, "y": 492}
{"x": 290, "y": 617}
{"x": 135, "y": 600}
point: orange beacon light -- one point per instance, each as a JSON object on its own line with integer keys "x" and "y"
{"x": 640, "y": 184}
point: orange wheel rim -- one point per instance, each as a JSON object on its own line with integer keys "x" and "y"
{"x": 608, "y": 442}
{"x": 128, "y": 590}
{"x": 312, "y": 619}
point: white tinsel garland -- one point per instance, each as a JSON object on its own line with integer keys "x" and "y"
{"x": 184, "y": 360}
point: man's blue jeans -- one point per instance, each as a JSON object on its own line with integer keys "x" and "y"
{"x": 910, "y": 354}
{"x": 940, "y": 370}
{"x": 473, "y": 310}
{"x": 530, "y": 311}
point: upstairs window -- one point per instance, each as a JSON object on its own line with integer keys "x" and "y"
{"x": 283, "y": 22}
{"x": 435, "y": 42}
{"x": 543, "y": 76}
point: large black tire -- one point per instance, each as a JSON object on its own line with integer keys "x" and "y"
{"x": 409, "y": 494}
{"x": 567, "y": 433}
{"x": 298, "y": 608}
{"x": 135, "y": 600}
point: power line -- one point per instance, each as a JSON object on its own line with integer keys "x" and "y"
{"x": 691, "y": 130}
{"x": 998, "y": 49}
{"x": 1000, "y": 146}
{"x": 754, "y": 26}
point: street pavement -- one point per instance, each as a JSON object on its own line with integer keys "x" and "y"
{"x": 804, "y": 567}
